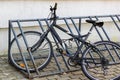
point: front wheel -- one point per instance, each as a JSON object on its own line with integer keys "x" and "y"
{"x": 42, "y": 55}
{"x": 92, "y": 66}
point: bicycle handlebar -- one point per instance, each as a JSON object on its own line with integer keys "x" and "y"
{"x": 53, "y": 12}
{"x": 53, "y": 8}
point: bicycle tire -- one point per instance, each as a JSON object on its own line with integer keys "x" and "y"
{"x": 94, "y": 71}
{"x": 42, "y": 60}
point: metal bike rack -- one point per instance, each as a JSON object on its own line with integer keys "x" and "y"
{"x": 75, "y": 22}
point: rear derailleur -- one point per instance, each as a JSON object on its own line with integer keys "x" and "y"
{"x": 105, "y": 63}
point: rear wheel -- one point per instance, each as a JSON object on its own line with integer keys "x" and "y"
{"x": 91, "y": 63}
{"x": 42, "y": 55}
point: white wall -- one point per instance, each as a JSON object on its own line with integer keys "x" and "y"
{"x": 26, "y": 9}
{"x": 31, "y": 9}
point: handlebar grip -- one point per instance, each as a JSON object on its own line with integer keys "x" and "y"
{"x": 55, "y": 7}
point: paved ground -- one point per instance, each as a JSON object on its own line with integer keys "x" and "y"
{"x": 8, "y": 72}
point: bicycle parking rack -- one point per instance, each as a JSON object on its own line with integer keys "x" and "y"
{"x": 75, "y": 22}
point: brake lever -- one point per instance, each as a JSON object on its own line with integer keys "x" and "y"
{"x": 51, "y": 9}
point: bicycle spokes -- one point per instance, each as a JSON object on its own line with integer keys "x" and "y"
{"x": 103, "y": 68}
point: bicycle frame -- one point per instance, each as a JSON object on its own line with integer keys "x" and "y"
{"x": 57, "y": 38}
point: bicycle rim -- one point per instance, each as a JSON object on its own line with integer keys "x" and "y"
{"x": 91, "y": 64}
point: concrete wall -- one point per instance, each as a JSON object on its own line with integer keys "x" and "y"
{"x": 31, "y": 9}
{"x": 26, "y": 9}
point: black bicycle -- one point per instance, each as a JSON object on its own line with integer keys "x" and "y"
{"x": 99, "y": 61}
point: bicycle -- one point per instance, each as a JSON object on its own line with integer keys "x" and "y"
{"x": 96, "y": 60}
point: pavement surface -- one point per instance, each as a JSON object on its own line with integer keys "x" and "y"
{"x": 8, "y": 72}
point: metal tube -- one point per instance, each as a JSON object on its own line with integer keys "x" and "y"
{"x": 103, "y": 30}
{"x": 67, "y": 25}
{"x": 40, "y": 24}
{"x": 27, "y": 47}
{"x": 117, "y": 18}
{"x": 115, "y": 23}
{"x": 27, "y": 20}
{"x": 80, "y": 25}
{"x": 23, "y": 58}
{"x": 9, "y": 38}
{"x": 75, "y": 26}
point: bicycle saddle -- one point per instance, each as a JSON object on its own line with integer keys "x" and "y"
{"x": 95, "y": 22}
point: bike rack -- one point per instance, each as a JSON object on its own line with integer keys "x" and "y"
{"x": 75, "y": 22}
